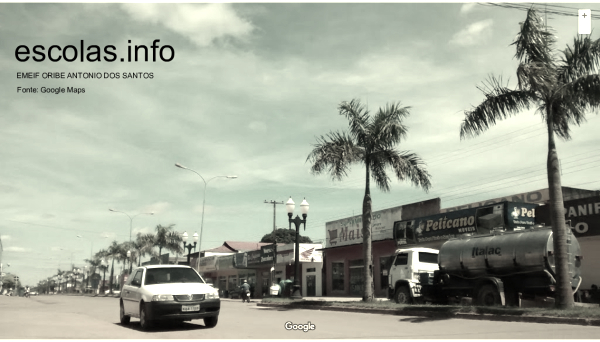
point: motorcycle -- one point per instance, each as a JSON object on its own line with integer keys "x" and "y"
{"x": 27, "y": 294}
{"x": 245, "y": 296}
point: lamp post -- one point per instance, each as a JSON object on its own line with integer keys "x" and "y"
{"x": 189, "y": 246}
{"x": 130, "y": 225}
{"x": 203, "y": 199}
{"x": 2, "y": 276}
{"x": 92, "y": 242}
{"x": 297, "y": 293}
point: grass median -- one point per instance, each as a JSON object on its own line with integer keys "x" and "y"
{"x": 386, "y": 304}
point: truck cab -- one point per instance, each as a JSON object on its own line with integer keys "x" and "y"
{"x": 409, "y": 268}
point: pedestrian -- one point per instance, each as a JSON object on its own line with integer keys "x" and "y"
{"x": 245, "y": 291}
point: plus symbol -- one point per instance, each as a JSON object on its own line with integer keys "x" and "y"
{"x": 584, "y": 15}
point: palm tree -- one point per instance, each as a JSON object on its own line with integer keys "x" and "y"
{"x": 168, "y": 239}
{"x": 102, "y": 255}
{"x": 144, "y": 245}
{"x": 113, "y": 252}
{"x": 370, "y": 141}
{"x": 94, "y": 264}
{"x": 562, "y": 91}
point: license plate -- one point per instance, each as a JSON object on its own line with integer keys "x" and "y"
{"x": 190, "y": 308}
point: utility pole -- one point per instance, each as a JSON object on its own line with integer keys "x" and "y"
{"x": 274, "y": 238}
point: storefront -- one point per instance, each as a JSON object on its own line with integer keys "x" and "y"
{"x": 583, "y": 216}
{"x": 343, "y": 253}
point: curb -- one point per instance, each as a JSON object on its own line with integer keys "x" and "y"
{"x": 431, "y": 314}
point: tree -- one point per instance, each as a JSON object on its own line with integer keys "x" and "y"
{"x": 283, "y": 235}
{"x": 370, "y": 141}
{"x": 144, "y": 245}
{"x": 164, "y": 238}
{"x": 561, "y": 91}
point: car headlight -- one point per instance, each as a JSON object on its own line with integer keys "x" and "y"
{"x": 212, "y": 295}
{"x": 162, "y": 298}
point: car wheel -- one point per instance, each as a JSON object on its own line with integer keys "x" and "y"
{"x": 211, "y": 322}
{"x": 145, "y": 323}
{"x": 402, "y": 295}
{"x": 488, "y": 296}
{"x": 124, "y": 318}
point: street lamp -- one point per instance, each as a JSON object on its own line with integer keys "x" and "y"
{"x": 297, "y": 294}
{"x": 92, "y": 241}
{"x": 130, "y": 225}
{"x": 2, "y": 276}
{"x": 189, "y": 246}
{"x": 203, "y": 199}
{"x": 75, "y": 273}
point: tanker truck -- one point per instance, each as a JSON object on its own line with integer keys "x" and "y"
{"x": 490, "y": 269}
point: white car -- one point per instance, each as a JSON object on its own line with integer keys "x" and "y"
{"x": 168, "y": 292}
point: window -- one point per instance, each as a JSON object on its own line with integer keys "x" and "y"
{"x": 402, "y": 259}
{"x": 337, "y": 278}
{"x": 137, "y": 278}
{"x": 430, "y": 258}
{"x": 313, "y": 269}
{"x": 171, "y": 275}
{"x": 384, "y": 268}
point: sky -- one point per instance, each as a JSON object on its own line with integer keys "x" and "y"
{"x": 250, "y": 88}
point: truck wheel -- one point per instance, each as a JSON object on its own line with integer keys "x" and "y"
{"x": 402, "y": 295}
{"x": 488, "y": 296}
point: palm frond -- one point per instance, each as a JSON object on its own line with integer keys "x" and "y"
{"x": 377, "y": 165}
{"x": 387, "y": 128}
{"x": 580, "y": 60}
{"x": 534, "y": 42}
{"x": 334, "y": 153}
{"x": 500, "y": 103}
{"x": 358, "y": 118}
{"x": 407, "y": 166}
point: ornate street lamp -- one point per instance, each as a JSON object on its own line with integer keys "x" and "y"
{"x": 130, "y": 225}
{"x": 189, "y": 246}
{"x": 203, "y": 198}
{"x": 297, "y": 293}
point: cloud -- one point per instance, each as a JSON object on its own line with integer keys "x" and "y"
{"x": 468, "y": 7}
{"x": 157, "y": 208}
{"x": 258, "y": 126}
{"x": 201, "y": 23}
{"x": 473, "y": 33}
{"x": 17, "y": 249}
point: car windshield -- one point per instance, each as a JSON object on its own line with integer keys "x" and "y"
{"x": 171, "y": 275}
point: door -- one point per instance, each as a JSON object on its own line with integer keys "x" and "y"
{"x": 399, "y": 269}
{"x": 311, "y": 286}
{"x": 131, "y": 293}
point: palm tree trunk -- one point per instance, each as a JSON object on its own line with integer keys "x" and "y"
{"x": 368, "y": 294}
{"x": 112, "y": 271}
{"x": 564, "y": 298}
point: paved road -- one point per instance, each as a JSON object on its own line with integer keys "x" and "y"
{"x": 65, "y": 317}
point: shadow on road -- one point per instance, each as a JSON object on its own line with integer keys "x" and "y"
{"x": 422, "y": 319}
{"x": 164, "y": 326}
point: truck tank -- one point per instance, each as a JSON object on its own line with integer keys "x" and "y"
{"x": 506, "y": 254}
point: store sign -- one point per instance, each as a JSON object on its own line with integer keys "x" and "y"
{"x": 583, "y": 215}
{"x": 266, "y": 253}
{"x": 240, "y": 260}
{"x": 539, "y": 196}
{"x": 348, "y": 231}
{"x": 253, "y": 258}
{"x": 207, "y": 264}
{"x": 225, "y": 262}
{"x": 311, "y": 253}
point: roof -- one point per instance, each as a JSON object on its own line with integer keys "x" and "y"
{"x": 238, "y": 246}
{"x": 166, "y": 265}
